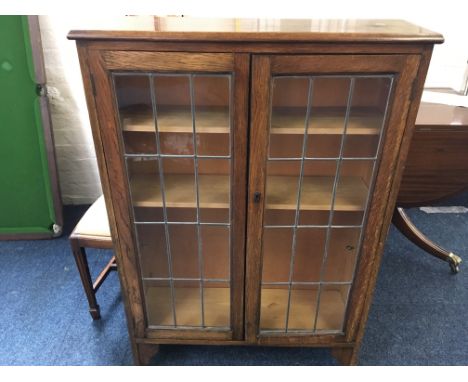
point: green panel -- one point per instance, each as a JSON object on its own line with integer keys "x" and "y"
{"x": 25, "y": 195}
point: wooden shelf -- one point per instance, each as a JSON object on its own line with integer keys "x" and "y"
{"x": 316, "y": 193}
{"x": 187, "y": 305}
{"x": 281, "y": 195}
{"x": 213, "y": 120}
{"x": 273, "y": 307}
{"x": 327, "y": 121}
{"x": 180, "y": 191}
{"x": 274, "y": 304}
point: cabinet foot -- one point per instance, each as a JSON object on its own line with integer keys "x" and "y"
{"x": 144, "y": 354}
{"x": 345, "y": 356}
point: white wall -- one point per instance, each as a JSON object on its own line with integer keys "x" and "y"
{"x": 78, "y": 173}
{"x": 76, "y": 159}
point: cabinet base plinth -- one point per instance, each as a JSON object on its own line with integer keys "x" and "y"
{"x": 345, "y": 356}
{"x": 144, "y": 353}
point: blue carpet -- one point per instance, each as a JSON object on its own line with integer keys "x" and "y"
{"x": 419, "y": 315}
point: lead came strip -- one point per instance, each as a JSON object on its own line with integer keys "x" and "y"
{"x": 299, "y": 331}
{"x": 312, "y": 226}
{"x": 176, "y": 156}
{"x": 320, "y": 158}
{"x": 371, "y": 186}
{"x": 307, "y": 283}
{"x": 296, "y": 218}
{"x": 231, "y": 107}
{"x": 330, "y": 218}
{"x": 186, "y": 223}
{"x": 185, "y": 279}
{"x": 197, "y": 196}
{"x": 163, "y": 196}
{"x": 192, "y": 327}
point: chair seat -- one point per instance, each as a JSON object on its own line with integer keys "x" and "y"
{"x": 95, "y": 221}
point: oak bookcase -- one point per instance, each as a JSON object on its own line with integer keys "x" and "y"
{"x": 250, "y": 169}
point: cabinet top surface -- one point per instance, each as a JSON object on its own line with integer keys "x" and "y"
{"x": 153, "y": 28}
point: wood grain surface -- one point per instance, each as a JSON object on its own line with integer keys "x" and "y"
{"x": 240, "y": 48}
{"x": 151, "y": 28}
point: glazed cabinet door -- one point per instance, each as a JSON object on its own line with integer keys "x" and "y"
{"x": 173, "y": 128}
{"x": 325, "y": 133}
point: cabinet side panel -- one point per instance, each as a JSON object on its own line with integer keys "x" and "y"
{"x": 117, "y": 195}
{"x": 396, "y": 145}
{"x": 104, "y": 175}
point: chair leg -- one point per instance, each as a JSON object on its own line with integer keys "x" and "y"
{"x": 111, "y": 266}
{"x": 82, "y": 263}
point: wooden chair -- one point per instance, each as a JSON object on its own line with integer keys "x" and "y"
{"x": 92, "y": 231}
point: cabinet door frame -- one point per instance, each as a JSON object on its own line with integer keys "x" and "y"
{"x": 102, "y": 63}
{"x": 405, "y": 69}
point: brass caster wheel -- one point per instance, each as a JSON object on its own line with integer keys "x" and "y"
{"x": 454, "y": 262}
